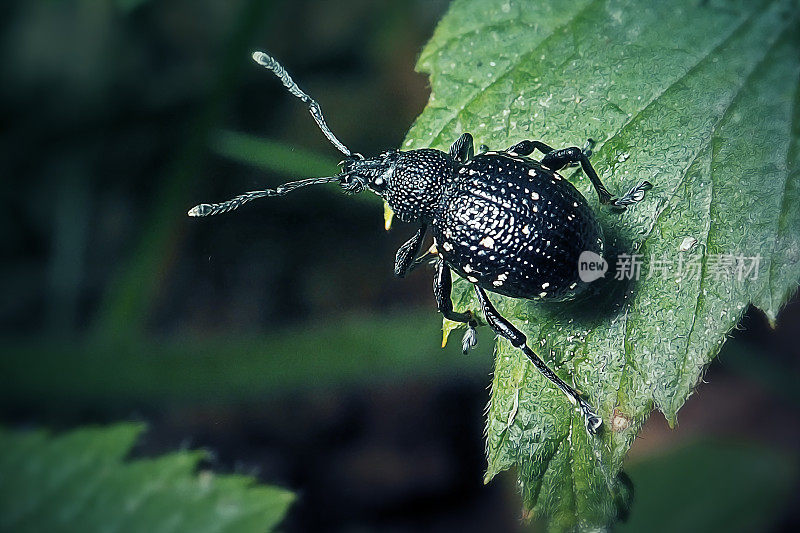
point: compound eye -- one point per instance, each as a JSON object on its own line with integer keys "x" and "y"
{"x": 379, "y": 184}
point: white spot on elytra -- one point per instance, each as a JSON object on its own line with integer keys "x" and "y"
{"x": 487, "y": 242}
{"x": 535, "y": 195}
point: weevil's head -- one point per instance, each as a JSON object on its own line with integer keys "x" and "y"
{"x": 410, "y": 182}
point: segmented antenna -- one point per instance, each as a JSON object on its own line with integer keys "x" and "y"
{"x": 205, "y": 210}
{"x": 313, "y": 107}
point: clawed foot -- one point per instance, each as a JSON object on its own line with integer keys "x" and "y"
{"x": 469, "y": 340}
{"x": 590, "y": 418}
{"x": 632, "y": 196}
{"x": 588, "y": 147}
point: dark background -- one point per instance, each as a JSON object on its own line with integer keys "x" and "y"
{"x": 278, "y": 338}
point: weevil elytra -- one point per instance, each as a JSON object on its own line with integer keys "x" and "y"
{"x": 507, "y": 223}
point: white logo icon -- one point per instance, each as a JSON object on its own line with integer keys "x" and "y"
{"x": 591, "y": 266}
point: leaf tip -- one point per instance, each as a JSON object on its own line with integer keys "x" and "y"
{"x": 772, "y": 318}
{"x": 447, "y": 327}
{"x": 388, "y": 216}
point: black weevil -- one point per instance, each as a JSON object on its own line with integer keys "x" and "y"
{"x": 507, "y": 223}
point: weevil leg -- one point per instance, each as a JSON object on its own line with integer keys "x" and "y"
{"x": 404, "y": 259}
{"x": 588, "y": 147}
{"x": 442, "y": 287}
{"x": 527, "y": 147}
{"x": 558, "y": 159}
{"x": 425, "y": 257}
{"x": 462, "y": 150}
{"x": 504, "y": 328}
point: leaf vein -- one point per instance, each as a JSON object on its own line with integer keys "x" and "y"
{"x": 714, "y": 177}
{"x": 540, "y": 483}
{"x": 510, "y": 69}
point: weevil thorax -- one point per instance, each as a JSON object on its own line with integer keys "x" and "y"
{"x": 411, "y": 182}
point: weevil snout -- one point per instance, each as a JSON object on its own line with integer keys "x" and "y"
{"x": 374, "y": 173}
{"x": 351, "y": 184}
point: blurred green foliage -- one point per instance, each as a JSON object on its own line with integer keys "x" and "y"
{"x": 343, "y": 353}
{"x": 80, "y": 481}
{"x": 272, "y": 155}
{"x": 711, "y": 486}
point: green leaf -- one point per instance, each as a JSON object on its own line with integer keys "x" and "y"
{"x": 79, "y": 481}
{"x": 700, "y": 98}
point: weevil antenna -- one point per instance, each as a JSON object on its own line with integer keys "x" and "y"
{"x": 206, "y": 210}
{"x": 313, "y": 107}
